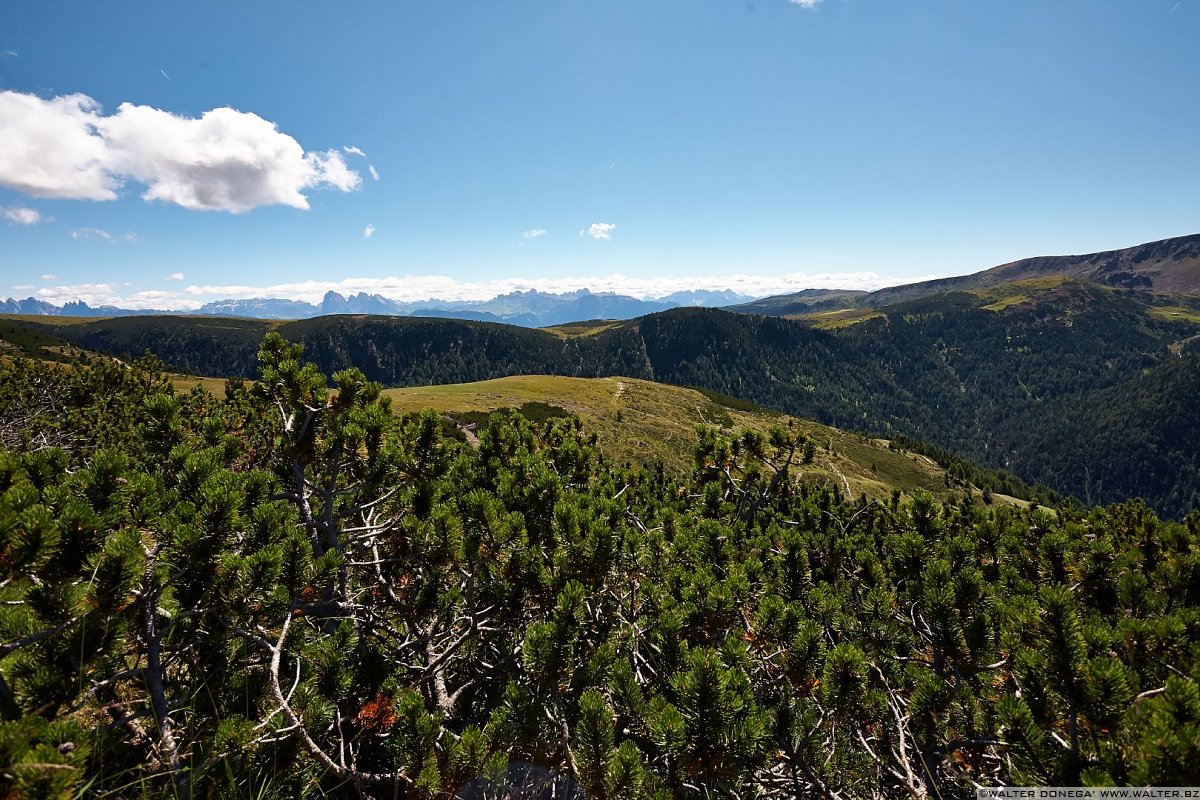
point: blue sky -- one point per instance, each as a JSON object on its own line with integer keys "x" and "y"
{"x": 765, "y": 146}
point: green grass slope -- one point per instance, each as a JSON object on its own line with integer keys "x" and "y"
{"x": 640, "y": 422}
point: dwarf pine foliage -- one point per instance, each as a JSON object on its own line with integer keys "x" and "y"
{"x": 288, "y": 591}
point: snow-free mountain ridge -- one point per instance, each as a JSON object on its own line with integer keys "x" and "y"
{"x": 529, "y": 309}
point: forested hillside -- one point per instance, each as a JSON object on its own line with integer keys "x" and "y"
{"x": 997, "y": 377}
{"x": 397, "y": 351}
{"x": 287, "y": 592}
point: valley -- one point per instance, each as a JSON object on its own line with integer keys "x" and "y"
{"x": 1009, "y": 375}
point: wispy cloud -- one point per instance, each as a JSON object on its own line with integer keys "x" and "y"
{"x": 49, "y": 276}
{"x": 22, "y": 287}
{"x": 374, "y": 172}
{"x": 368, "y": 231}
{"x": 99, "y": 234}
{"x": 354, "y": 151}
{"x": 23, "y": 216}
{"x": 600, "y": 230}
{"x": 174, "y": 276}
{"x": 223, "y": 160}
{"x": 12, "y": 54}
{"x": 90, "y": 233}
{"x": 164, "y": 74}
{"x": 809, "y": 4}
{"x": 534, "y": 233}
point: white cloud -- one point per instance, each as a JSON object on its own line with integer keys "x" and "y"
{"x": 174, "y": 276}
{"x": 354, "y": 151}
{"x": 809, "y": 4}
{"x": 99, "y": 234}
{"x": 91, "y": 293}
{"x": 225, "y": 160}
{"x": 601, "y": 230}
{"x": 100, "y": 294}
{"x": 534, "y": 233}
{"x": 52, "y": 148}
{"x": 23, "y": 216}
{"x": 368, "y": 231}
{"x": 89, "y": 233}
{"x": 21, "y": 287}
{"x": 331, "y": 170}
{"x": 49, "y": 277}
{"x": 374, "y": 172}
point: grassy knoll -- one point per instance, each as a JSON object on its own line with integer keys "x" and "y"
{"x": 570, "y": 330}
{"x": 639, "y": 421}
{"x": 839, "y": 317}
{"x": 185, "y": 383}
{"x": 1176, "y": 314}
{"x": 1006, "y": 295}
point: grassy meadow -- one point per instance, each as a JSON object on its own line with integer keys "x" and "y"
{"x": 637, "y": 421}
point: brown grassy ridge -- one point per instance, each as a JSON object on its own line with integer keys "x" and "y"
{"x": 640, "y": 422}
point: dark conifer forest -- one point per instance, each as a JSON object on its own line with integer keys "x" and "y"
{"x": 290, "y": 591}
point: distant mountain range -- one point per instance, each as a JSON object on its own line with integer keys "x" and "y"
{"x": 531, "y": 309}
{"x": 76, "y": 308}
{"x": 1169, "y": 265}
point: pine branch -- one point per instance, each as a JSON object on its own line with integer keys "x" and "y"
{"x": 340, "y": 770}
{"x": 13, "y": 646}
{"x": 154, "y": 678}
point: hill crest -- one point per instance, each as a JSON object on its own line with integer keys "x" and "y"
{"x": 1168, "y": 265}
